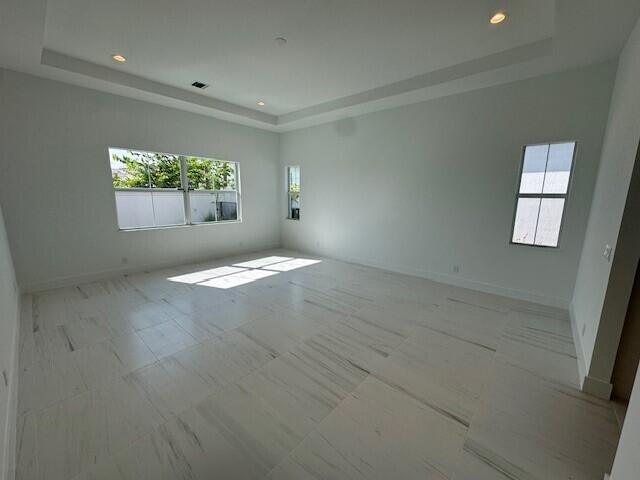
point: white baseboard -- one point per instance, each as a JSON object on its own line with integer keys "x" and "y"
{"x": 597, "y": 388}
{"x": 448, "y": 279}
{"x": 71, "y": 280}
{"x": 588, "y": 384}
{"x": 577, "y": 341}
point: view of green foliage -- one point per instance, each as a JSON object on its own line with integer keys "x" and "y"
{"x": 294, "y": 190}
{"x": 158, "y": 170}
{"x": 294, "y": 183}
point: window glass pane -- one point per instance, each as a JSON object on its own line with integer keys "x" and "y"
{"x": 127, "y": 171}
{"x": 146, "y": 186}
{"x": 559, "y": 168}
{"x": 294, "y": 179}
{"x": 213, "y": 206}
{"x": 164, "y": 170}
{"x": 214, "y": 184}
{"x": 135, "y": 209}
{"x": 136, "y": 169}
{"x": 533, "y": 168}
{"x": 293, "y": 192}
{"x": 549, "y": 222}
{"x": 524, "y": 229}
{"x": 168, "y": 207}
{"x": 208, "y": 174}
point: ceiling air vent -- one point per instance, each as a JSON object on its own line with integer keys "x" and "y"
{"x": 199, "y": 85}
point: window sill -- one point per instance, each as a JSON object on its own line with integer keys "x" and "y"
{"x": 172, "y": 227}
{"x": 546, "y": 247}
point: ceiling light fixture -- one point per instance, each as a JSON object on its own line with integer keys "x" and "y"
{"x": 280, "y": 41}
{"x": 119, "y": 58}
{"x": 261, "y": 103}
{"x": 498, "y": 17}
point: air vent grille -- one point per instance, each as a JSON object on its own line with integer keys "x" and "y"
{"x": 199, "y": 85}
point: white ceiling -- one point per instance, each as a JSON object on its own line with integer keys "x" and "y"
{"x": 342, "y": 56}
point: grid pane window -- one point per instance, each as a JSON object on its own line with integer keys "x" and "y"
{"x": 542, "y": 194}
{"x": 293, "y": 193}
{"x": 149, "y": 189}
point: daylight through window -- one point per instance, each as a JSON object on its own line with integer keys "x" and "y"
{"x": 293, "y": 193}
{"x": 150, "y": 189}
{"x": 542, "y": 195}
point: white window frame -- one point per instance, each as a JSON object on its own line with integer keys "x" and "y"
{"x": 184, "y": 180}
{"x": 288, "y": 192}
{"x": 542, "y": 196}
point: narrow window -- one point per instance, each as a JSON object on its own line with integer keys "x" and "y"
{"x": 293, "y": 193}
{"x": 542, "y": 194}
{"x": 150, "y": 189}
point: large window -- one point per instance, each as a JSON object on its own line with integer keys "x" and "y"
{"x": 542, "y": 194}
{"x": 150, "y": 189}
{"x": 293, "y": 193}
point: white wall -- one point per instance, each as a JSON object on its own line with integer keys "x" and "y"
{"x": 55, "y": 180}
{"x": 600, "y": 340}
{"x": 9, "y": 301}
{"x": 424, "y": 187}
{"x": 627, "y": 462}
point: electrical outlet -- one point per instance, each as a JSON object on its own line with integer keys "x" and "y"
{"x": 607, "y": 252}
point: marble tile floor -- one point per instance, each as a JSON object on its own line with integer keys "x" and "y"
{"x": 284, "y": 366}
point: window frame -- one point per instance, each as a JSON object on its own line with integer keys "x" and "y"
{"x": 184, "y": 180}
{"x": 287, "y": 169}
{"x": 542, "y": 195}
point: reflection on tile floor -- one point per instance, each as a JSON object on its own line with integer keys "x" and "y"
{"x": 282, "y": 366}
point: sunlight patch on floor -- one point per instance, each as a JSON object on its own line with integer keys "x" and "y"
{"x": 237, "y": 279}
{"x": 197, "y": 277}
{"x": 244, "y": 272}
{"x": 262, "y": 262}
{"x": 292, "y": 264}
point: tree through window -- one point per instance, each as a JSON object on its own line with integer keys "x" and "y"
{"x": 149, "y": 189}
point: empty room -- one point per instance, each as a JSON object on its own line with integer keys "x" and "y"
{"x": 319, "y": 239}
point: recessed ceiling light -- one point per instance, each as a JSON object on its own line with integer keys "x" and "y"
{"x": 498, "y": 17}
{"x": 261, "y": 103}
{"x": 119, "y": 58}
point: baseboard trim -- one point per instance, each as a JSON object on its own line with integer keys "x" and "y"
{"x": 588, "y": 384}
{"x": 597, "y": 388}
{"x": 577, "y": 341}
{"x": 72, "y": 280}
{"x": 447, "y": 279}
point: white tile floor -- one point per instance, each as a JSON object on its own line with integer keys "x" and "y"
{"x": 271, "y": 366}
